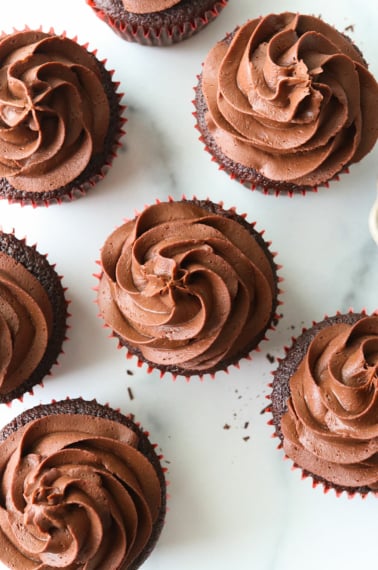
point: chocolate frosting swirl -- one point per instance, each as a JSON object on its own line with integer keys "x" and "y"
{"x": 75, "y": 493}
{"x": 290, "y": 97}
{"x": 26, "y": 319}
{"x": 330, "y": 428}
{"x": 148, "y": 6}
{"x": 187, "y": 287}
{"x": 54, "y": 112}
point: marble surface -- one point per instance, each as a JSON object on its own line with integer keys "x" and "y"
{"x": 373, "y": 219}
{"x": 234, "y": 502}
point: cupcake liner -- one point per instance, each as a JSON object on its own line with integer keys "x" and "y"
{"x": 157, "y": 35}
{"x": 248, "y": 177}
{"x": 280, "y": 393}
{"x": 79, "y": 406}
{"x": 99, "y": 164}
{"x": 175, "y": 371}
{"x": 38, "y": 265}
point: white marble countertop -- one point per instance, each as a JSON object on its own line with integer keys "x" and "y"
{"x": 234, "y": 502}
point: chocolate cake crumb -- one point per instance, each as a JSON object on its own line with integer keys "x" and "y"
{"x": 129, "y": 372}
{"x": 246, "y": 438}
{"x": 246, "y": 425}
{"x": 270, "y": 358}
{"x": 237, "y": 392}
{"x": 226, "y": 426}
{"x": 130, "y": 392}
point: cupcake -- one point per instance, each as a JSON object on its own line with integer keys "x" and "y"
{"x": 81, "y": 487}
{"x": 325, "y": 403}
{"x": 33, "y": 314}
{"x": 188, "y": 287}
{"x": 159, "y": 23}
{"x": 285, "y": 103}
{"x": 60, "y": 118}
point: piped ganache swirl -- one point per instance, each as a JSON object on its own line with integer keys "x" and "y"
{"x": 76, "y": 492}
{"x": 188, "y": 287}
{"x": 291, "y": 98}
{"x": 54, "y": 111}
{"x": 330, "y": 428}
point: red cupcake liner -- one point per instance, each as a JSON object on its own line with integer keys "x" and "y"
{"x": 28, "y": 386}
{"x": 149, "y": 366}
{"x": 78, "y": 188}
{"x": 158, "y": 36}
{"x": 316, "y": 480}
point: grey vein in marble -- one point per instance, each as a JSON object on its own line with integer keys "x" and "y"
{"x": 364, "y": 272}
{"x": 154, "y": 147}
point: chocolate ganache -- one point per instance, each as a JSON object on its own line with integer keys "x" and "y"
{"x": 187, "y": 286}
{"x": 331, "y": 428}
{"x": 54, "y": 112}
{"x": 291, "y": 98}
{"x": 75, "y": 492}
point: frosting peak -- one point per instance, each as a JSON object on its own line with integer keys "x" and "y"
{"x": 290, "y": 97}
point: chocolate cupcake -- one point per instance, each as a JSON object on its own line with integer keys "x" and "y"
{"x": 60, "y": 118}
{"x": 33, "y": 314}
{"x": 285, "y": 103}
{"x": 188, "y": 287}
{"x": 325, "y": 403}
{"x": 160, "y": 23}
{"x": 81, "y": 487}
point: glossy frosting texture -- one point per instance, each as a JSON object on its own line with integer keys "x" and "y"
{"x": 186, "y": 286}
{"x": 75, "y": 493}
{"x": 54, "y": 112}
{"x": 290, "y": 97}
{"x": 148, "y": 6}
{"x": 331, "y": 426}
{"x": 26, "y": 319}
